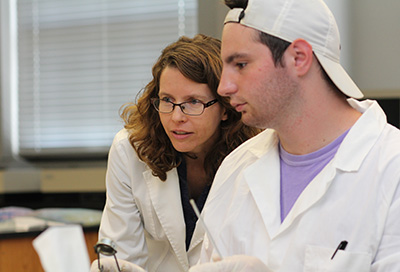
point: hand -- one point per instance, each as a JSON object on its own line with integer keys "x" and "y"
{"x": 109, "y": 265}
{"x": 237, "y": 263}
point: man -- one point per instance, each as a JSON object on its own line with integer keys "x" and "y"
{"x": 318, "y": 190}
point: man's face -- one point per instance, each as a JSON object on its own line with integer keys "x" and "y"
{"x": 256, "y": 87}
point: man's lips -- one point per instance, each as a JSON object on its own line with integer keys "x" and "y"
{"x": 238, "y": 106}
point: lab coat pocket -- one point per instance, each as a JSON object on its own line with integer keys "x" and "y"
{"x": 318, "y": 259}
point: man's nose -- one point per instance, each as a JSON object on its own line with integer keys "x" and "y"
{"x": 226, "y": 86}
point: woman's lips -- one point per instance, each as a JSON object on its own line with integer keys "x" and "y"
{"x": 179, "y": 134}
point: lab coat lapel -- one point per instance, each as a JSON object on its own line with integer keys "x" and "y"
{"x": 311, "y": 194}
{"x": 263, "y": 179}
{"x": 197, "y": 237}
{"x": 166, "y": 200}
{"x": 348, "y": 158}
{"x": 195, "y": 244}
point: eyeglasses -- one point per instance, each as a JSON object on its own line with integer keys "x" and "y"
{"x": 193, "y": 108}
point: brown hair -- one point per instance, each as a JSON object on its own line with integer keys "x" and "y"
{"x": 199, "y": 60}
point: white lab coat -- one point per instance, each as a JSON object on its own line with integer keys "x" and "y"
{"x": 143, "y": 215}
{"x": 356, "y": 198}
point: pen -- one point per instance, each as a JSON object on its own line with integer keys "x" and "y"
{"x": 341, "y": 246}
{"x": 197, "y": 212}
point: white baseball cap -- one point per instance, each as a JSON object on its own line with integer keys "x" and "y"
{"x": 310, "y": 20}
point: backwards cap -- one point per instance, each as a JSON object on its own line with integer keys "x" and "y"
{"x": 310, "y": 20}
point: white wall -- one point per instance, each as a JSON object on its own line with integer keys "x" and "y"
{"x": 376, "y": 46}
{"x": 370, "y": 37}
{"x": 370, "y": 34}
{"x": 53, "y": 180}
{"x": 211, "y": 17}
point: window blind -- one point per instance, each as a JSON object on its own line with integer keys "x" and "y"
{"x": 80, "y": 61}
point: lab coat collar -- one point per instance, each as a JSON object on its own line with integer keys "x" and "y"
{"x": 362, "y": 136}
{"x": 166, "y": 200}
{"x": 195, "y": 244}
{"x": 349, "y": 157}
{"x": 263, "y": 176}
{"x": 263, "y": 179}
{"x": 197, "y": 237}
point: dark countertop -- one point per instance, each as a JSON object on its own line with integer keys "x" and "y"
{"x": 54, "y": 200}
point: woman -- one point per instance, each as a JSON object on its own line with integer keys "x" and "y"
{"x": 175, "y": 137}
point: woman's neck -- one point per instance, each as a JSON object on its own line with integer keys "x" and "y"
{"x": 196, "y": 175}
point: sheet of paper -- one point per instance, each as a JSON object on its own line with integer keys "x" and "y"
{"x": 63, "y": 249}
{"x": 29, "y": 223}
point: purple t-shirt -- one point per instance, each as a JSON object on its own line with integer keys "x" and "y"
{"x": 297, "y": 171}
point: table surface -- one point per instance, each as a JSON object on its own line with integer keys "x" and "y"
{"x": 17, "y": 253}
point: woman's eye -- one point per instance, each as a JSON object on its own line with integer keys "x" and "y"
{"x": 166, "y": 99}
{"x": 195, "y": 102}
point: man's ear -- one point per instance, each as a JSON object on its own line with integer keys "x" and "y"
{"x": 301, "y": 55}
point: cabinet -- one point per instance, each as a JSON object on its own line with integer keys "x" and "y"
{"x": 17, "y": 253}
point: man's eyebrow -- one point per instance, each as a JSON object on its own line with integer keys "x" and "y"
{"x": 232, "y": 57}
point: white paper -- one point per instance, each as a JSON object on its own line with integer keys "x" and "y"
{"x": 28, "y": 223}
{"x": 63, "y": 249}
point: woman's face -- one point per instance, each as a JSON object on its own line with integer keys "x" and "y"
{"x": 189, "y": 134}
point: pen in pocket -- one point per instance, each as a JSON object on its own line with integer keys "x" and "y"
{"x": 342, "y": 246}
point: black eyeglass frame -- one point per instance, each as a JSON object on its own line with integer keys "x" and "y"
{"x": 156, "y": 104}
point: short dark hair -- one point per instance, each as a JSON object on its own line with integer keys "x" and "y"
{"x": 276, "y": 45}
{"x": 236, "y": 4}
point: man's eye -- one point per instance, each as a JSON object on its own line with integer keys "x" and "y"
{"x": 241, "y": 65}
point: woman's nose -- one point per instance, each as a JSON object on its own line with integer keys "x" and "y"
{"x": 178, "y": 115}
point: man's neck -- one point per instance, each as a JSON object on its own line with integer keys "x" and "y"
{"x": 317, "y": 128}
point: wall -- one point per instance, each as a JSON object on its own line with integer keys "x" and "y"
{"x": 81, "y": 178}
{"x": 375, "y": 53}
{"x": 53, "y": 179}
{"x": 211, "y": 17}
{"x": 370, "y": 36}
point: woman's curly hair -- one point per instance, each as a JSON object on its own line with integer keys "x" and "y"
{"x": 199, "y": 60}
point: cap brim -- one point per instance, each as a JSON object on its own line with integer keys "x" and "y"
{"x": 339, "y": 76}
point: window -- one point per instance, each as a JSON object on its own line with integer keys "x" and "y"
{"x": 77, "y": 62}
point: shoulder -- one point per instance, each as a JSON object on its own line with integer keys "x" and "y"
{"x": 242, "y": 157}
{"x": 392, "y": 134}
{"x": 122, "y": 137}
{"x": 255, "y": 147}
{"x": 387, "y": 147}
{"x": 121, "y": 148}
{"x": 121, "y": 142}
